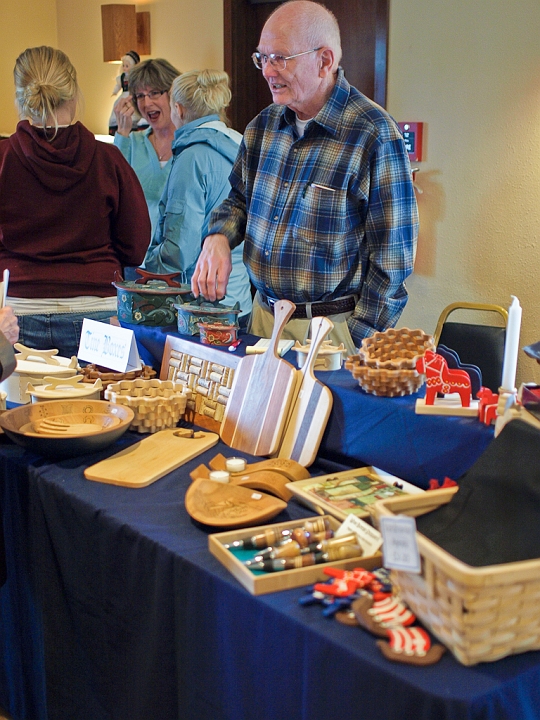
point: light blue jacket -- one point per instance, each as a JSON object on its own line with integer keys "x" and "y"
{"x": 203, "y": 154}
{"x": 140, "y": 154}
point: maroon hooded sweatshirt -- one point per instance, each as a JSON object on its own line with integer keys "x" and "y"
{"x": 72, "y": 212}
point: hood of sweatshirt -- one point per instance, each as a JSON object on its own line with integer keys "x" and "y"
{"x": 58, "y": 163}
{"x": 211, "y": 131}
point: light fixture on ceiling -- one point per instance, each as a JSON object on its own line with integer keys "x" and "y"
{"x": 124, "y": 29}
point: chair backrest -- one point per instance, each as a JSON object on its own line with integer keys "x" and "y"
{"x": 478, "y": 344}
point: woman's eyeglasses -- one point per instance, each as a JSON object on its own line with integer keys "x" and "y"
{"x": 152, "y": 95}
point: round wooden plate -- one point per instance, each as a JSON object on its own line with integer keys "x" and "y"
{"x": 229, "y": 506}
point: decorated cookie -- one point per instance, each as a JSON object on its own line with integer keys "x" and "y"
{"x": 411, "y": 645}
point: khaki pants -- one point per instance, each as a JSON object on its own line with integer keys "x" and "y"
{"x": 262, "y": 323}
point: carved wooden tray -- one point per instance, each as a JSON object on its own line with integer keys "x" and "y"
{"x": 229, "y": 506}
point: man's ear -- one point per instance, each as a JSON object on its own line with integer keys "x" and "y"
{"x": 326, "y": 62}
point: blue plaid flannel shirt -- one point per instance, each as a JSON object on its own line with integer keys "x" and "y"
{"x": 327, "y": 215}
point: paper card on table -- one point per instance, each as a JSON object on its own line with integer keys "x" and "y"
{"x": 109, "y": 346}
{"x": 261, "y": 346}
{"x": 400, "y": 549}
{"x": 369, "y": 538}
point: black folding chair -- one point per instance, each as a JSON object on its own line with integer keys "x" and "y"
{"x": 476, "y": 343}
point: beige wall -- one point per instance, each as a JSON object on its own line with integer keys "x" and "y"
{"x": 469, "y": 70}
{"x": 23, "y": 23}
{"x": 186, "y": 44}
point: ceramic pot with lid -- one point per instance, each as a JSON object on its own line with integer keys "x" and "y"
{"x": 203, "y": 311}
{"x": 61, "y": 388}
{"x": 33, "y": 366}
{"x": 150, "y": 299}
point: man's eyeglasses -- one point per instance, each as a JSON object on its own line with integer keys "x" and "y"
{"x": 278, "y": 62}
{"x": 152, "y": 95}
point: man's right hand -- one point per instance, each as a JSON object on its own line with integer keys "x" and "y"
{"x": 123, "y": 109}
{"x": 213, "y": 268}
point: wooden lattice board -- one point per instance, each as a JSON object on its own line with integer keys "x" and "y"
{"x": 207, "y": 372}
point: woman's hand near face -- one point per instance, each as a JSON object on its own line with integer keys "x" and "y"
{"x": 124, "y": 110}
{"x": 9, "y": 325}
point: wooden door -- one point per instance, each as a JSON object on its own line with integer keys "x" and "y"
{"x": 364, "y": 39}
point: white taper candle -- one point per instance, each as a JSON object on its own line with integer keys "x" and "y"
{"x": 511, "y": 346}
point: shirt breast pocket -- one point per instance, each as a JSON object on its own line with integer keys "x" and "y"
{"x": 173, "y": 219}
{"x": 323, "y": 215}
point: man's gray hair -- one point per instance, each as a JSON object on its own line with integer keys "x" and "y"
{"x": 315, "y": 24}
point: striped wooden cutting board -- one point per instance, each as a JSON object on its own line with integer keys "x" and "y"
{"x": 261, "y": 394}
{"x": 312, "y": 406}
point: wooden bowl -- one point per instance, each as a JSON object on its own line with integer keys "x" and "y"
{"x": 20, "y": 425}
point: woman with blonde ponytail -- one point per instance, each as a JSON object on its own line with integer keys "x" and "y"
{"x": 72, "y": 211}
{"x": 204, "y": 149}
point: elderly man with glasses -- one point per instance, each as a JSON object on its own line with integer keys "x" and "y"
{"x": 322, "y": 192}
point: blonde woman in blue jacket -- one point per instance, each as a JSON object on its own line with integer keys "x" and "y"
{"x": 204, "y": 149}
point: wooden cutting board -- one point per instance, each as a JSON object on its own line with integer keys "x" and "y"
{"x": 150, "y": 459}
{"x": 229, "y": 506}
{"x": 312, "y": 405}
{"x": 262, "y": 391}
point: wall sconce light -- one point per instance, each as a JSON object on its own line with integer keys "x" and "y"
{"x": 143, "y": 33}
{"x": 124, "y": 29}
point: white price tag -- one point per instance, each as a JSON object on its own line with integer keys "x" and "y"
{"x": 369, "y": 538}
{"x": 400, "y": 549}
{"x": 109, "y": 346}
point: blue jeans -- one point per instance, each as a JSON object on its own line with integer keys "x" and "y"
{"x": 57, "y": 330}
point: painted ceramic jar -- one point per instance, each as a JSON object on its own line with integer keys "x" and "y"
{"x": 217, "y": 333}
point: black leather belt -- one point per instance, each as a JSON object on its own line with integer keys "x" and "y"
{"x": 317, "y": 309}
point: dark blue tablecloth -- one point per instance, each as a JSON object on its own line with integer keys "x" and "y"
{"x": 365, "y": 429}
{"x": 114, "y": 609}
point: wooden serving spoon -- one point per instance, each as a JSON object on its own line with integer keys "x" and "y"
{"x": 56, "y": 427}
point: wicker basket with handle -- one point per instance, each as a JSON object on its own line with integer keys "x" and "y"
{"x": 480, "y": 613}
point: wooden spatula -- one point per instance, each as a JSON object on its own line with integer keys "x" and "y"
{"x": 262, "y": 391}
{"x": 312, "y": 406}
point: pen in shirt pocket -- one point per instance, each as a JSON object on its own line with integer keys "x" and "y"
{"x": 317, "y": 185}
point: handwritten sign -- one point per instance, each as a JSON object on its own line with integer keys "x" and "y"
{"x": 400, "y": 549}
{"x": 109, "y": 346}
{"x": 369, "y": 538}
